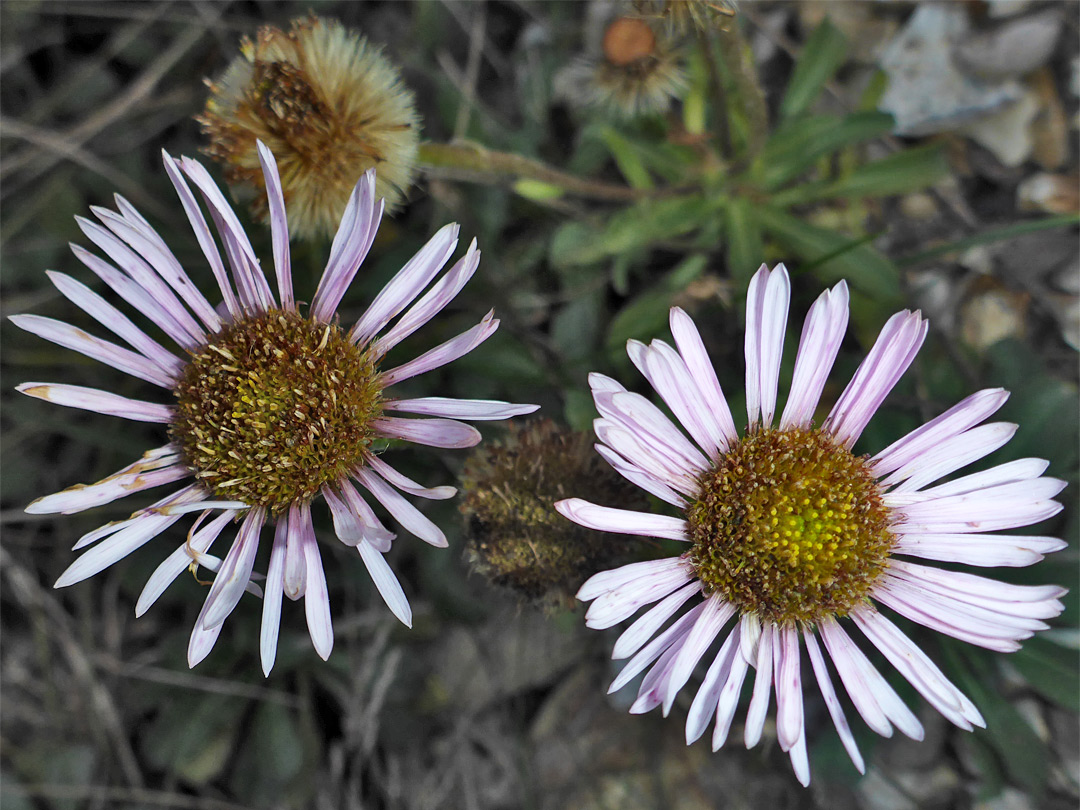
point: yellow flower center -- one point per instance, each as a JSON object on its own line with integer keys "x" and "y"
{"x": 789, "y": 526}
{"x": 275, "y": 407}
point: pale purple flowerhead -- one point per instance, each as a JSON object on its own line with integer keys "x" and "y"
{"x": 796, "y": 538}
{"x": 269, "y": 407}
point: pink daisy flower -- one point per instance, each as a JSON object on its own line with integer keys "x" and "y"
{"x": 788, "y": 532}
{"x": 270, "y": 407}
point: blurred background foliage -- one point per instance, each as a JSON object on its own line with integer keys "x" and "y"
{"x": 771, "y": 146}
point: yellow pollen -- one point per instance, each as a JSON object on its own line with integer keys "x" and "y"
{"x": 292, "y": 411}
{"x": 789, "y": 526}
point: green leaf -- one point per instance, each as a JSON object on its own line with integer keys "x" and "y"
{"x": 989, "y": 237}
{"x": 627, "y": 157}
{"x": 1051, "y": 670}
{"x": 825, "y": 52}
{"x": 796, "y": 145}
{"x": 647, "y": 315}
{"x": 193, "y": 736}
{"x": 579, "y": 409}
{"x": 1022, "y": 754}
{"x": 864, "y": 267}
{"x": 537, "y": 190}
{"x": 745, "y": 251}
{"x": 632, "y": 229}
{"x": 899, "y": 173}
{"x": 575, "y": 328}
{"x": 272, "y": 757}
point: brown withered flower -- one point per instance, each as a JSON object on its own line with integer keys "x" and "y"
{"x": 329, "y": 106}
{"x": 515, "y": 537}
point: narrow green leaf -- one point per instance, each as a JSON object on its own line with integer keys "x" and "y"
{"x": 990, "y": 236}
{"x": 647, "y": 314}
{"x": 902, "y": 172}
{"x": 864, "y": 267}
{"x": 1051, "y": 670}
{"x": 537, "y": 190}
{"x": 745, "y": 251}
{"x": 825, "y": 52}
{"x": 796, "y": 145}
{"x": 1022, "y": 753}
{"x": 632, "y": 229}
{"x": 627, "y": 157}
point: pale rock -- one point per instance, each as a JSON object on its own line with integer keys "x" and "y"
{"x": 1007, "y": 132}
{"x": 927, "y": 93}
{"x": 1010, "y": 50}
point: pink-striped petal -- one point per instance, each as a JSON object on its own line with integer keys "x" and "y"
{"x": 202, "y": 640}
{"x": 655, "y": 683}
{"x": 156, "y": 467}
{"x": 639, "y": 477}
{"x": 250, "y": 281}
{"x": 351, "y": 244}
{"x": 270, "y": 627}
{"x": 406, "y": 484}
{"x": 979, "y": 590}
{"x": 823, "y": 332}
{"x": 759, "y": 701}
{"x": 606, "y": 581}
{"x": 667, "y": 373}
{"x": 115, "y": 321}
{"x": 832, "y": 702}
{"x": 789, "y": 701}
{"x": 409, "y": 282}
{"x": 71, "y": 337}
{"x": 766, "y": 321}
{"x": 127, "y": 539}
{"x": 202, "y": 233}
{"x": 693, "y": 353}
{"x": 1024, "y": 469}
{"x": 177, "y": 562}
{"x": 622, "y": 521}
{"x": 893, "y": 351}
{"x": 347, "y": 526}
{"x": 152, "y": 248}
{"x": 964, "y": 415}
{"x": 431, "y": 432}
{"x": 947, "y": 618}
{"x": 279, "y": 226}
{"x": 918, "y": 669}
{"x": 705, "y": 630}
{"x": 703, "y": 707}
{"x": 651, "y": 425}
{"x": 387, "y": 584}
{"x": 410, "y": 518}
{"x": 441, "y": 294}
{"x": 294, "y": 580}
{"x": 622, "y": 602}
{"x": 474, "y": 409}
{"x": 655, "y": 648}
{"x": 131, "y": 263}
{"x": 92, "y": 399}
{"x": 984, "y": 550}
{"x": 950, "y": 455}
{"x": 444, "y": 353}
{"x": 732, "y": 689}
{"x": 134, "y": 294}
{"x": 800, "y": 761}
{"x": 874, "y": 699}
{"x": 669, "y": 469}
{"x": 316, "y": 598}
{"x": 374, "y": 532}
{"x": 1013, "y": 502}
{"x": 637, "y": 634}
{"x": 231, "y": 582}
